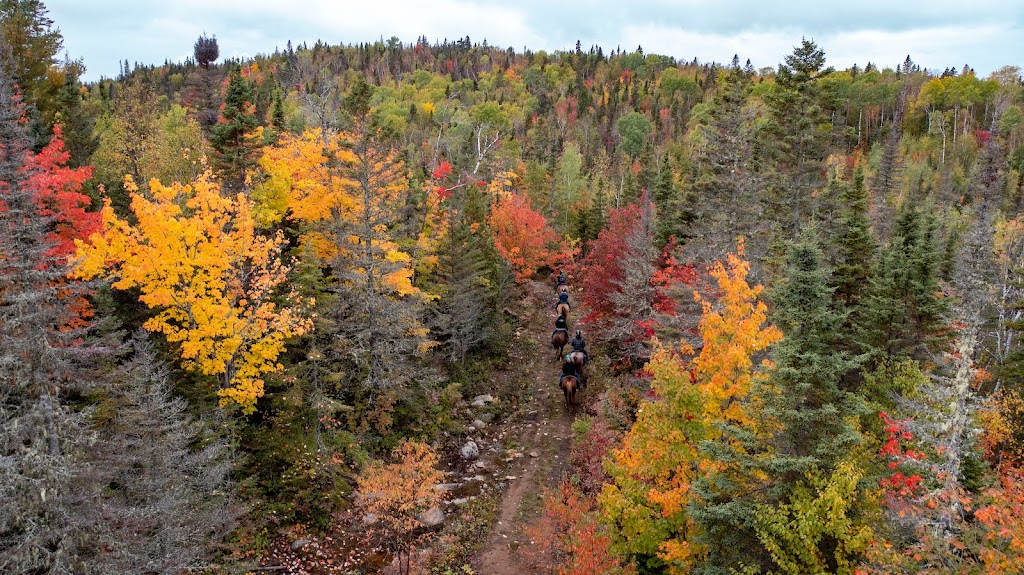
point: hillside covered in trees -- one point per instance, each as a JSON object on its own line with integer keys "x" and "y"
{"x": 281, "y": 314}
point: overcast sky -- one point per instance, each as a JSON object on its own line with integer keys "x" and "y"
{"x": 986, "y": 34}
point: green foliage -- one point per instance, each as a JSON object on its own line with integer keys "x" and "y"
{"x": 233, "y": 137}
{"x": 818, "y": 530}
{"x": 633, "y": 128}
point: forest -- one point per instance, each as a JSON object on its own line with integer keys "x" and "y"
{"x": 294, "y": 313}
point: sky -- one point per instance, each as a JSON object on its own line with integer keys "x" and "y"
{"x": 985, "y": 34}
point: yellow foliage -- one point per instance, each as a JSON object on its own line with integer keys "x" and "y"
{"x": 654, "y": 472}
{"x": 299, "y": 183}
{"x": 196, "y": 258}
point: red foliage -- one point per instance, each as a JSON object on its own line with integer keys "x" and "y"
{"x": 58, "y": 190}
{"x": 602, "y": 268}
{"x": 522, "y": 236}
{"x": 588, "y": 455}
{"x": 670, "y": 273}
{"x": 899, "y": 485}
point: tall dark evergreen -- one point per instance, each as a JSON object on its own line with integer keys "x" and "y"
{"x": 853, "y": 245}
{"x": 903, "y": 308}
{"x": 805, "y": 398}
{"x": 154, "y": 493}
{"x": 799, "y": 134}
{"x": 725, "y": 181}
{"x": 232, "y": 137}
{"x": 464, "y": 315}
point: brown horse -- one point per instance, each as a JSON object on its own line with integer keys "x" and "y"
{"x": 570, "y": 385}
{"x": 563, "y": 310}
{"x": 563, "y": 289}
{"x": 558, "y": 341}
{"x": 578, "y": 359}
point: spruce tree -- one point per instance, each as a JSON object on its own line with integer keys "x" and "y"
{"x": 805, "y": 399}
{"x": 854, "y": 245}
{"x": 155, "y": 491}
{"x": 903, "y": 308}
{"x": 232, "y": 137}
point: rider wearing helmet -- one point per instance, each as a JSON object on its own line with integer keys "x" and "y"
{"x": 580, "y": 344}
{"x": 561, "y": 325}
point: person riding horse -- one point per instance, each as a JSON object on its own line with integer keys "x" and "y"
{"x": 568, "y": 369}
{"x": 562, "y": 280}
{"x": 562, "y": 298}
{"x": 561, "y": 325}
{"x": 579, "y": 344}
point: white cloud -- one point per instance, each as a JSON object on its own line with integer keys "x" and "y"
{"x": 936, "y": 33}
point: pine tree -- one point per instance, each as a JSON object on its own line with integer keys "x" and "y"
{"x": 232, "y": 137}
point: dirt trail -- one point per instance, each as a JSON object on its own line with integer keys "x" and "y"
{"x": 544, "y": 436}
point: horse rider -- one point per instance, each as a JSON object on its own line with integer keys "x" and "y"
{"x": 562, "y": 280}
{"x": 580, "y": 344}
{"x": 568, "y": 368}
{"x": 562, "y": 298}
{"x": 561, "y": 325}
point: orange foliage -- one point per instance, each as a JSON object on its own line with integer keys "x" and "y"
{"x": 653, "y": 473}
{"x": 568, "y": 538}
{"x": 397, "y": 494}
{"x": 522, "y": 236}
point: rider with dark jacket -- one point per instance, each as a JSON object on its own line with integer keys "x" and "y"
{"x": 562, "y": 280}
{"x": 568, "y": 368}
{"x": 580, "y": 344}
{"x": 560, "y": 325}
{"x": 563, "y": 298}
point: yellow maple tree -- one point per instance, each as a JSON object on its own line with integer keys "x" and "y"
{"x": 196, "y": 258}
{"x": 654, "y": 472}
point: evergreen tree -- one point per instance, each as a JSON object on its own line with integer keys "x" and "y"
{"x": 154, "y": 492}
{"x": 725, "y": 182}
{"x": 466, "y": 305}
{"x": 798, "y": 136}
{"x": 803, "y": 395}
{"x": 903, "y": 308}
{"x": 232, "y": 137}
{"x": 29, "y": 38}
{"x": 854, "y": 245}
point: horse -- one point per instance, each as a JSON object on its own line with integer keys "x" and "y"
{"x": 558, "y": 341}
{"x": 563, "y": 289}
{"x": 578, "y": 359}
{"x": 570, "y": 385}
{"x": 563, "y": 310}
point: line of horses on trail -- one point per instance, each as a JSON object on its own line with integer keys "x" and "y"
{"x": 570, "y": 384}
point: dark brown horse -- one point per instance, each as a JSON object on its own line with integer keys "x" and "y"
{"x": 563, "y": 310}
{"x": 570, "y": 385}
{"x": 578, "y": 359}
{"x": 558, "y": 340}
